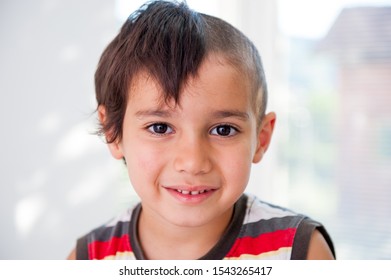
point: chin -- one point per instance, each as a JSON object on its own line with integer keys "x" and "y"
{"x": 188, "y": 221}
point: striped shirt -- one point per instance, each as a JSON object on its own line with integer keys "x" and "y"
{"x": 258, "y": 230}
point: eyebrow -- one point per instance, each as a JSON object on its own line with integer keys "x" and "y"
{"x": 153, "y": 113}
{"x": 221, "y": 114}
{"x": 231, "y": 113}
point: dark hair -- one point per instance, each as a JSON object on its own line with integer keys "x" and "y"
{"x": 169, "y": 41}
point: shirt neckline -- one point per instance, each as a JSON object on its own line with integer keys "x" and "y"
{"x": 218, "y": 252}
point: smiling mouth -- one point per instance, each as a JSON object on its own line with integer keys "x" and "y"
{"x": 192, "y": 192}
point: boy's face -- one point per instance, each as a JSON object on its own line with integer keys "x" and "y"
{"x": 191, "y": 162}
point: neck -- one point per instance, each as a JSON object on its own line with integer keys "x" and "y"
{"x": 161, "y": 239}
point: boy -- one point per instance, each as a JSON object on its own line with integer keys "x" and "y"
{"x": 182, "y": 99}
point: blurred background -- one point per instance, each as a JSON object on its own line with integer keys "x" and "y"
{"x": 328, "y": 66}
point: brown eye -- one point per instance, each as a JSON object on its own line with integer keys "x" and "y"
{"x": 224, "y": 130}
{"x": 160, "y": 128}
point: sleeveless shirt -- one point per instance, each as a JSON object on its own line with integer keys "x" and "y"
{"x": 257, "y": 230}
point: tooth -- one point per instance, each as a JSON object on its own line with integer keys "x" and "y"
{"x": 185, "y": 192}
{"x": 194, "y": 192}
{"x": 202, "y": 191}
{"x": 180, "y": 191}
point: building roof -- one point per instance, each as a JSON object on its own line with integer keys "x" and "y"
{"x": 360, "y": 33}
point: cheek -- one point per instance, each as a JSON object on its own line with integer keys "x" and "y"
{"x": 237, "y": 164}
{"x": 143, "y": 164}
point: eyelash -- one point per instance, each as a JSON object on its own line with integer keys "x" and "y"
{"x": 232, "y": 128}
{"x": 152, "y": 129}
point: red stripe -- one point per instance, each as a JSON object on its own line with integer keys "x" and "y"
{"x": 266, "y": 242}
{"x": 101, "y": 249}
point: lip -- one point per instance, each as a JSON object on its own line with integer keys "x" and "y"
{"x": 191, "y": 194}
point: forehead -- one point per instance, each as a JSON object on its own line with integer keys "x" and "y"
{"x": 216, "y": 79}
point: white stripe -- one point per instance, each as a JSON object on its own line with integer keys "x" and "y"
{"x": 283, "y": 253}
{"x": 123, "y": 217}
{"x": 258, "y": 210}
{"x": 121, "y": 256}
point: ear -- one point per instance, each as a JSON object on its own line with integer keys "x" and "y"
{"x": 264, "y": 136}
{"x": 115, "y": 147}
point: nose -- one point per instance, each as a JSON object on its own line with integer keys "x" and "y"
{"x": 193, "y": 155}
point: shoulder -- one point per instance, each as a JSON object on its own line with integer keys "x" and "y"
{"x": 267, "y": 231}
{"x": 108, "y": 239}
{"x": 312, "y": 241}
{"x": 307, "y": 238}
{"x": 115, "y": 226}
{"x": 318, "y": 248}
{"x": 72, "y": 255}
{"x": 258, "y": 210}
{"x": 263, "y": 218}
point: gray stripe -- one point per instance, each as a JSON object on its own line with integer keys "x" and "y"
{"x": 106, "y": 233}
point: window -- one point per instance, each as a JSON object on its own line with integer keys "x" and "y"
{"x": 336, "y": 146}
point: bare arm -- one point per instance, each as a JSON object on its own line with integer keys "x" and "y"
{"x": 72, "y": 255}
{"x": 318, "y": 248}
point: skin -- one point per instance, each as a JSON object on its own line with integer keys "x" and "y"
{"x": 207, "y": 145}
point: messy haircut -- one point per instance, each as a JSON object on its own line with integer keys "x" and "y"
{"x": 169, "y": 41}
